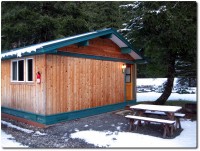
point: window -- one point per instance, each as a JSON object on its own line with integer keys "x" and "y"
{"x": 18, "y": 70}
{"x": 21, "y": 70}
{"x": 128, "y": 74}
{"x": 14, "y": 71}
{"x": 29, "y": 65}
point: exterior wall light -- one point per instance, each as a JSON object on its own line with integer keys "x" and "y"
{"x": 123, "y": 68}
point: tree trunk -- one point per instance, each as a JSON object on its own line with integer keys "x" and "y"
{"x": 170, "y": 80}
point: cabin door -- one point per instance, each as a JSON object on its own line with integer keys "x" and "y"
{"x": 129, "y": 82}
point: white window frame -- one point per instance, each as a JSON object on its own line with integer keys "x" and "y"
{"x": 27, "y": 70}
{"x": 16, "y": 60}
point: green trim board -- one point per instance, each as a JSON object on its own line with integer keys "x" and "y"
{"x": 32, "y": 54}
{"x": 106, "y": 36}
{"x": 93, "y": 57}
{"x": 83, "y": 43}
{"x": 56, "y": 118}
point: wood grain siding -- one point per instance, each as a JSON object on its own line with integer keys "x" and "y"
{"x": 24, "y": 96}
{"x": 78, "y": 83}
{"x": 98, "y": 47}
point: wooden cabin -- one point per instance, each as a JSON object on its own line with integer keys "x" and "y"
{"x": 69, "y": 78}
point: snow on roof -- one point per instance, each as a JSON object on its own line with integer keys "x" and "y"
{"x": 29, "y": 49}
{"x": 116, "y": 38}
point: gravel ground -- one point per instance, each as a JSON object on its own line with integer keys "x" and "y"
{"x": 58, "y": 135}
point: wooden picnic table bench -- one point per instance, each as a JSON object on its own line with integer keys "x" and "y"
{"x": 176, "y": 115}
{"x": 167, "y": 124}
{"x": 169, "y": 110}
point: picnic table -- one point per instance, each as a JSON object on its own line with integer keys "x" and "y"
{"x": 141, "y": 110}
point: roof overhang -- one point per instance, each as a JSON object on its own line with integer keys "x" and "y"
{"x": 81, "y": 40}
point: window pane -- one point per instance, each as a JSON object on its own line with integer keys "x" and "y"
{"x": 30, "y": 70}
{"x": 128, "y": 78}
{"x": 128, "y": 70}
{"x": 21, "y": 70}
{"x": 14, "y": 71}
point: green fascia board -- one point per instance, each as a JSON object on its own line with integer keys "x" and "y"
{"x": 26, "y": 54}
{"x": 56, "y": 118}
{"x": 77, "y": 40}
{"x": 83, "y": 43}
{"x": 106, "y": 36}
{"x": 93, "y": 57}
{"x": 125, "y": 50}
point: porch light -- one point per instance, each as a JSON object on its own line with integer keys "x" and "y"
{"x": 123, "y": 68}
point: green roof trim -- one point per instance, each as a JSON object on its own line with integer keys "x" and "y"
{"x": 82, "y": 40}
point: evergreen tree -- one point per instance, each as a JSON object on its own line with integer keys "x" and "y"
{"x": 167, "y": 33}
{"x": 25, "y": 23}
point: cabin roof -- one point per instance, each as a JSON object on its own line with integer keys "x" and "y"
{"x": 52, "y": 46}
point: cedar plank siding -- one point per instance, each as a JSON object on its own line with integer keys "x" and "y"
{"x": 79, "y": 83}
{"x": 21, "y": 95}
{"x": 98, "y": 47}
{"x": 68, "y": 83}
{"x": 83, "y": 83}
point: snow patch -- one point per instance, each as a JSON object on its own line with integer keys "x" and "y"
{"x": 8, "y": 141}
{"x": 38, "y": 133}
{"x": 162, "y": 8}
{"x": 118, "y": 128}
{"x": 155, "y": 82}
{"x": 16, "y": 127}
{"x": 76, "y": 130}
{"x": 152, "y": 96}
{"x": 187, "y": 138}
{"x": 34, "y": 48}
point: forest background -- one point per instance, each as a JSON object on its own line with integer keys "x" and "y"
{"x": 165, "y": 32}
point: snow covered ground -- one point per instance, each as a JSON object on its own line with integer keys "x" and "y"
{"x": 152, "y": 96}
{"x": 119, "y": 139}
{"x": 186, "y": 139}
{"x": 7, "y": 141}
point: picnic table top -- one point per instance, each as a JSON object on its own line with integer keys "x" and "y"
{"x": 151, "y": 107}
